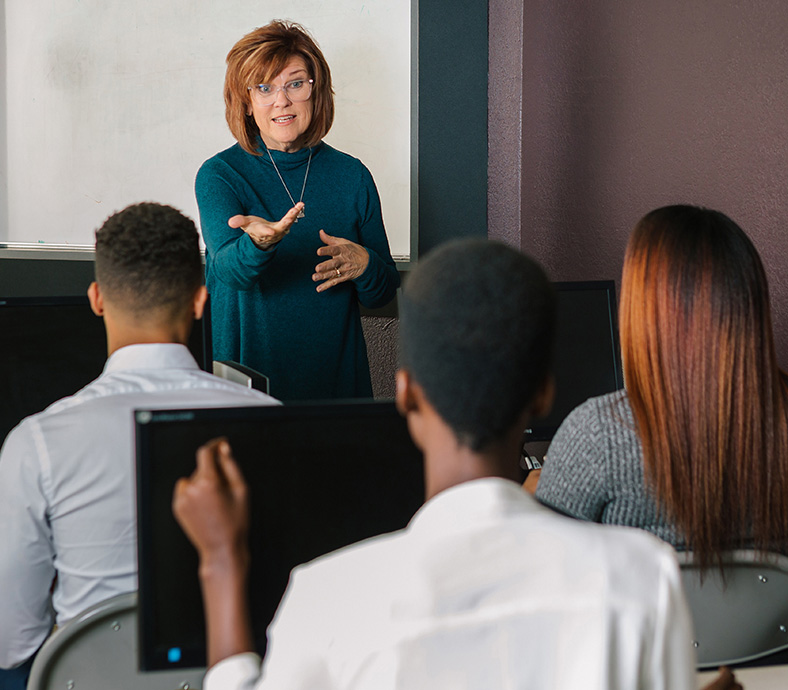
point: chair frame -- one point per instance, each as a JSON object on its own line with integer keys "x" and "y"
{"x": 109, "y": 631}
{"x": 742, "y": 616}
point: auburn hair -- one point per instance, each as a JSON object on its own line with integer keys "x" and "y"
{"x": 256, "y": 59}
{"x": 709, "y": 400}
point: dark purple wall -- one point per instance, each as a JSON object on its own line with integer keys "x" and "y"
{"x": 600, "y": 112}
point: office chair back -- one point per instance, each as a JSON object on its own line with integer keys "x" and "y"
{"x": 743, "y": 618}
{"x": 98, "y": 650}
{"x": 238, "y": 373}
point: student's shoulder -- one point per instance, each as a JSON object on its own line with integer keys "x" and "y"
{"x": 89, "y": 392}
{"x": 637, "y": 562}
{"x": 198, "y": 382}
{"x": 33, "y": 425}
{"x": 602, "y": 408}
{"x": 361, "y": 560}
{"x": 594, "y": 420}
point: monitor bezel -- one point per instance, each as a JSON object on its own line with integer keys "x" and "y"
{"x": 204, "y": 323}
{"x": 149, "y": 656}
{"x": 544, "y": 433}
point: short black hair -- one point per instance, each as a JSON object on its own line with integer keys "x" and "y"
{"x": 477, "y": 322}
{"x": 148, "y": 258}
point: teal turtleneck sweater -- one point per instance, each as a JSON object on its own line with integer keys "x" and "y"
{"x": 265, "y": 311}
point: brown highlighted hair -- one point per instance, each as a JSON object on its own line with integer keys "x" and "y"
{"x": 256, "y": 59}
{"x": 710, "y": 403}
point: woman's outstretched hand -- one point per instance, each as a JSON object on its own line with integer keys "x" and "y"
{"x": 264, "y": 233}
{"x": 348, "y": 261}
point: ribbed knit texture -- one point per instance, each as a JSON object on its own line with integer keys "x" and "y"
{"x": 266, "y": 312}
{"x": 594, "y": 469}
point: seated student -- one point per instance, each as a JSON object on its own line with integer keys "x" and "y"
{"x": 67, "y": 509}
{"x": 695, "y": 449}
{"x": 485, "y": 588}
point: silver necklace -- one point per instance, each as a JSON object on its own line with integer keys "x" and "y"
{"x": 281, "y": 179}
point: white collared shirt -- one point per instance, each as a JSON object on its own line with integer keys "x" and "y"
{"x": 484, "y": 589}
{"x": 67, "y": 501}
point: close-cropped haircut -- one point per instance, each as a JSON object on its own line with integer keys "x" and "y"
{"x": 256, "y": 59}
{"x": 477, "y": 320}
{"x": 701, "y": 373}
{"x": 148, "y": 259}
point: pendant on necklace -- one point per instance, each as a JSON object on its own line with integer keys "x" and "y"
{"x": 282, "y": 180}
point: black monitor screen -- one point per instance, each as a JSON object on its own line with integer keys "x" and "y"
{"x": 586, "y": 360}
{"x": 51, "y": 347}
{"x": 321, "y": 476}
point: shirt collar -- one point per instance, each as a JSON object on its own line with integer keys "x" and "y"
{"x": 150, "y": 356}
{"x": 474, "y": 502}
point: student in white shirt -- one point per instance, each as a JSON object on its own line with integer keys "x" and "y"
{"x": 485, "y": 588}
{"x": 67, "y": 507}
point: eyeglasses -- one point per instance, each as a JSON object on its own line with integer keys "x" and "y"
{"x": 297, "y": 90}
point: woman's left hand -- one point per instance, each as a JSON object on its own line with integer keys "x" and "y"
{"x": 348, "y": 261}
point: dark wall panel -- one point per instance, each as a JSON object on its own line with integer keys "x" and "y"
{"x": 631, "y": 106}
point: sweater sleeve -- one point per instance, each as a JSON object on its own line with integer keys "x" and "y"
{"x": 378, "y": 284}
{"x": 574, "y": 477}
{"x": 236, "y": 260}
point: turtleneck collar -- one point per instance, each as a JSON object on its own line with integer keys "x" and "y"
{"x": 288, "y": 160}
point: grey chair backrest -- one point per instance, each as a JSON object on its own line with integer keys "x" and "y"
{"x": 744, "y": 617}
{"x": 98, "y": 649}
{"x": 238, "y": 373}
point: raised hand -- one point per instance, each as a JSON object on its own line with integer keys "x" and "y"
{"x": 212, "y": 508}
{"x": 264, "y": 233}
{"x": 211, "y": 505}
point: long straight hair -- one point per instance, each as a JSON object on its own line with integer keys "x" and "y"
{"x": 709, "y": 400}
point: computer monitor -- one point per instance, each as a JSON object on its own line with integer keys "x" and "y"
{"x": 586, "y": 360}
{"x": 321, "y": 476}
{"x": 51, "y": 347}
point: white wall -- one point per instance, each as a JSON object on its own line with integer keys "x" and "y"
{"x": 109, "y": 104}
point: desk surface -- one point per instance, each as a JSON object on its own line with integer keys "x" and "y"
{"x": 759, "y": 678}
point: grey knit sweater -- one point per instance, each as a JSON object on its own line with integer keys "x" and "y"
{"x": 594, "y": 469}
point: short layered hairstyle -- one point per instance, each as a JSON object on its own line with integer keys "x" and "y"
{"x": 148, "y": 260}
{"x": 477, "y": 322}
{"x": 256, "y": 59}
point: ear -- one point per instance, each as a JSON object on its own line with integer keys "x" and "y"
{"x": 96, "y": 299}
{"x": 544, "y": 398}
{"x": 199, "y": 301}
{"x": 404, "y": 397}
{"x": 413, "y": 405}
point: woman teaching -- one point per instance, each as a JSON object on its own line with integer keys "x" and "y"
{"x": 293, "y": 228}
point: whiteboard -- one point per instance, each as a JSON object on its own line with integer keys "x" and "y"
{"x": 109, "y": 104}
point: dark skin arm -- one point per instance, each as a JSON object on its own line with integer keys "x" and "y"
{"x": 212, "y": 508}
{"x": 532, "y": 481}
{"x": 724, "y": 681}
